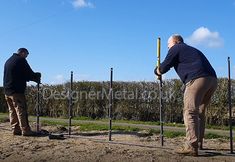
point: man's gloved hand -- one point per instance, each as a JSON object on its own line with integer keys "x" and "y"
{"x": 38, "y": 77}
{"x": 158, "y": 73}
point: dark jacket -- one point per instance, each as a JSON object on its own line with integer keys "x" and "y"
{"x": 188, "y": 62}
{"x": 16, "y": 73}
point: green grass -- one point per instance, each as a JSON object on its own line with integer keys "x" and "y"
{"x": 3, "y": 114}
{"x": 145, "y": 122}
{"x": 83, "y": 118}
{"x": 153, "y": 131}
{"x": 218, "y": 127}
{"x": 46, "y": 122}
{"x": 3, "y": 117}
{"x": 93, "y": 127}
{"x": 133, "y": 122}
{"x": 214, "y": 136}
{"x": 90, "y": 126}
{"x": 172, "y": 134}
{"x": 130, "y": 121}
{"x": 104, "y": 127}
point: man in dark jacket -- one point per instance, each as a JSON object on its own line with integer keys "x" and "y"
{"x": 200, "y": 80}
{"x": 16, "y": 73}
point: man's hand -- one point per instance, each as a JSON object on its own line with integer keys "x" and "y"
{"x": 157, "y": 72}
{"x": 38, "y": 77}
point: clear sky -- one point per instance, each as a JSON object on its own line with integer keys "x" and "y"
{"x": 91, "y": 36}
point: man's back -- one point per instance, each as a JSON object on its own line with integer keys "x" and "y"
{"x": 189, "y": 63}
{"x": 15, "y": 78}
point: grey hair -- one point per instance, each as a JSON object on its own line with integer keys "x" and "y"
{"x": 177, "y": 38}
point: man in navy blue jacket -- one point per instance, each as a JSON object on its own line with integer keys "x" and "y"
{"x": 200, "y": 79}
{"x": 16, "y": 73}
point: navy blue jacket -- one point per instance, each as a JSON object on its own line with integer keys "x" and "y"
{"x": 188, "y": 62}
{"x": 16, "y": 73}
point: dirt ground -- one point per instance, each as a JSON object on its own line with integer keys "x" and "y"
{"x": 96, "y": 148}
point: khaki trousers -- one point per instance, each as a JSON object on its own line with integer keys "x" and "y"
{"x": 18, "y": 113}
{"x": 197, "y": 96}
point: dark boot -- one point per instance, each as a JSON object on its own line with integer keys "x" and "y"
{"x": 30, "y": 133}
{"x": 200, "y": 145}
{"x": 17, "y": 133}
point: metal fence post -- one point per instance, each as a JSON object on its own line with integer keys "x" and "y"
{"x": 160, "y": 90}
{"x": 230, "y": 107}
{"x": 70, "y": 102}
{"x": 110, "y": 104}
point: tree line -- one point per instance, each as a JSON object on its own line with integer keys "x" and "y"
{"x": 132, "y": 100}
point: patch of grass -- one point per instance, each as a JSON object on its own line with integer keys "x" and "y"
{"x": 153, "y": 131}
{"x": 214, "y": 136}
{"x": 174, "y": 124}
{"x": 217, "y": 127}
{"x": 99, "y": 127}
{"x": 143, "y": 122}
{"x": 171, "y": 134}
{"x": 125, "y": 121}
{"x": 133, "y": 129}
{"x": 82, "y": 118}
{"x": 103, "y": 127}
{"x": 90, "y": 126}
{"x": 137, "y": 122}
{"x": 3, "y": 117}
{"x": 53, "y": 123}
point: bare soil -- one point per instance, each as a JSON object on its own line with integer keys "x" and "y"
{"x": 125, "y": 147}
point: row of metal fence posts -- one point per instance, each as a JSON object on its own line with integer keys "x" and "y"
{"x": 111, "y": 103}
{"x": 71, "y": 104}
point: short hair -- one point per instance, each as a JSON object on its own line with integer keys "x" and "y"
{"x": 21, "y": 50}
{"x": 177, "y": 38}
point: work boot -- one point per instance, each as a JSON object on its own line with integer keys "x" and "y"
{"x": 200, "y": 146}
{"x": 30, "y": 133}
{"x": 17, "y": 133}
{"x": 186, "y": 150}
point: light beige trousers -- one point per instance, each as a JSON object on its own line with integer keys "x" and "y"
{"x": 18, "y": 113}
{"x": 197, "y": 96}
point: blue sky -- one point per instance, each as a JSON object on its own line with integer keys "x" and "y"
{"x": 91, "y": 36}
